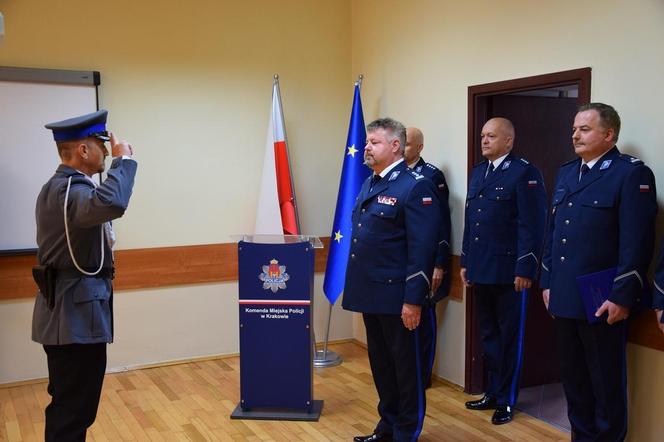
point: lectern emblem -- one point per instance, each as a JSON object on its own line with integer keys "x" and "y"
{"x": 274, "y": 276}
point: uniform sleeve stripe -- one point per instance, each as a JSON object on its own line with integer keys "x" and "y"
{"x": 659, "y": 288}
{"x": 625, "y": 275}
{"x": 444, "y": 242}
{"x": 527, "y": 255}
{"x": 420, "y": 273}
{"x": 545, "y": 267}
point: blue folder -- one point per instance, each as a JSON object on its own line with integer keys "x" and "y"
{"x": 595, "y": 288}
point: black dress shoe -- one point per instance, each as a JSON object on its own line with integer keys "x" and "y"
{"x": 502, "y": 415}
{"x": 376, "y": 437}
{"x": 486, "y": 403}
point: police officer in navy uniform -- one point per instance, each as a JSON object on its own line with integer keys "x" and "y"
{"x": 440, "y": 282}
{"x": 73, "y": 314}
{"x": 502, "y": 238}
{"x": 388, "y": 277}
{"x": 602, "y": 217}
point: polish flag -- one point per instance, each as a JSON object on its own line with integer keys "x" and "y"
{"x": 277, "y": 210}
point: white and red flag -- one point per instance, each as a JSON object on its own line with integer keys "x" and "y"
{"x": 277, "y": 210}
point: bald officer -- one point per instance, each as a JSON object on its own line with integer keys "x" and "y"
{"x": 502, "y": 238}
{"x": 440, "y": 283}
{"x": 602, "y": 218}
{"x": 73, "y": 315}
{"x": 388, "y": 277}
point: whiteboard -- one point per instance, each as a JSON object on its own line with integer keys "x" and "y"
{"x": 29, "y": 154}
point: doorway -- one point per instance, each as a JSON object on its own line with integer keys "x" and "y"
{"x": 542, "y": 109}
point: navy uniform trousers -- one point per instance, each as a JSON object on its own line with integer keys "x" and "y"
{"x": 601, "y": 220}
{"x": 503, "y": 230}
{"x": 502, "y": 316}
{"x": 429, "y": 321}
{"x": 75, "y": 378}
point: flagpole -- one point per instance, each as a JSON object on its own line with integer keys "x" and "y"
{"x": 281, "y": 110}
{"x": 324, "y": 358}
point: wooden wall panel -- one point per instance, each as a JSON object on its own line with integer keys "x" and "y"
{"x": 171, "y": 266}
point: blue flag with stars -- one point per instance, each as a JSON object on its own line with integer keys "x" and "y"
{"x": 353, "y": 174}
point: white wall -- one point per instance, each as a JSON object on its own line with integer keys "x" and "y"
{"x": 153, "y": 326}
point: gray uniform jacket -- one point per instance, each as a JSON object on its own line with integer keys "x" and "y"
{"x": 83, "y": 311}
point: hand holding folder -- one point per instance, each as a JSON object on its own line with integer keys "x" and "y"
{"x": 595, "y": 289}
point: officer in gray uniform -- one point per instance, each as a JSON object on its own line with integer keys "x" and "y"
{"x": 440, "y": 281}
{"x": 388, "y": 277}
{"x": 602, "y": 218}
{"x": 73, "y": 313}
{"x": 502, "y": 240}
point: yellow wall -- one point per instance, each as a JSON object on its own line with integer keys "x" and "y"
{"x": 189, "y": 84}
{"x": 419, "y": 57}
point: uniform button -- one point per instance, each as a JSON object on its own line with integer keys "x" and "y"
{"x": 562, "y": 259}
{"x": 477, "y": 224}
{"x": 564, "y": 241}
{"x": 566, "y": 221}
{"x": 389, "y": 280}
{"x": 477, "y": 238}
{"x": 382, "y": 213}
{"x": 497, "y": 197}
{"x": 481, "y": 196}
{"x": 352, "y": 255}
{"x": 354, "y": 239}
{"x": 595, "y": 202}
{"x": 364, "y": 210}
{"x": 359, "y": 224}
{"x": 479, "y": 210}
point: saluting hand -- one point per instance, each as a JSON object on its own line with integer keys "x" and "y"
{"x": 617, "y": 312}
{"x": 410, "y": 315}
{"x": 120, "y": 148}
{"x": 437, "y": 278}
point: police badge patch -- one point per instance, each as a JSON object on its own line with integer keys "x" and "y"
{"x": 274, "y": 276}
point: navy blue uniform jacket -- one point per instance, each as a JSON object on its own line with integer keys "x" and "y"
{"x": 443, "y": 255}
{"x": 394, "y": 243}
{"x": 606, "y": 220}
{"x": 504, "y": 222}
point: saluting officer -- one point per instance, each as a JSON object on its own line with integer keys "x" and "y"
{"x": 75, "y": 250}
{"x": 388, "y": 277}
{"x": 440, "y": 282}
{"x": 602, "y": 217}
{"x": 502, "y": 238}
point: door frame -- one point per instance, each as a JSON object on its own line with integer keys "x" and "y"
{"x": 474, "y": 367}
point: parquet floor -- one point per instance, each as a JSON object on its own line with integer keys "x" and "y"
{"x": 193, "y": 402}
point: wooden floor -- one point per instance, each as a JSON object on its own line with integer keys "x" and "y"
{"x": 193, "y": 401}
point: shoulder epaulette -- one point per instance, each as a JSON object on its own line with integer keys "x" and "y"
{"x": 415, "y": 175}
{"x": 431, "y": 166}
{"x": 570, "y": 162}
{"x": 524, "y": 160}
{"x": 630, "y": 159}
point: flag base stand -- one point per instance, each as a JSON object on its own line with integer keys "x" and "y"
{"x": 272, "y": 414}
{"x": 325, "y": 359}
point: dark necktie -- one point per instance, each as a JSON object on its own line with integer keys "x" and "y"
{"x": 489, "y": 170}
{"x": 374, "y": 180}
{"x": 584, "y": 170}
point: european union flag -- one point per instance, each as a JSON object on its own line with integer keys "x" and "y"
{"x": 353, "y": 174}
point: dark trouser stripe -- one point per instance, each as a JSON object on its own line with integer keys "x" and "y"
{"x": 432, "y": 344}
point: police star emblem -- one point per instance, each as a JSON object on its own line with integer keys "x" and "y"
{"x": 274, "y": 276}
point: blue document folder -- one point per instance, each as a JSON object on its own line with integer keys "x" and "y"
{"x": 595, "y": 288}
